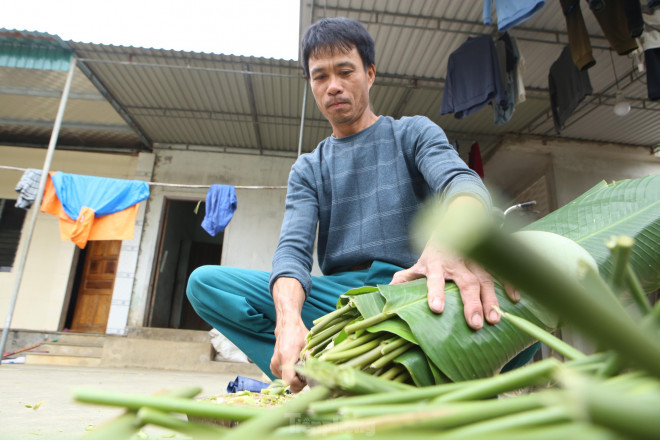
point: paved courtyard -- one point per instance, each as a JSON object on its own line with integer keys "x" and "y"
{"x": 37, "y": 402}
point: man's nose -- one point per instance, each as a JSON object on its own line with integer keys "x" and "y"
{"x": 335, "y": 85}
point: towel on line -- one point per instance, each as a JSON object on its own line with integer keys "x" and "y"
{"x": 220, "y": 206}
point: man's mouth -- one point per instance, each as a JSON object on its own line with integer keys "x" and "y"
{"x": 336, "y": 104}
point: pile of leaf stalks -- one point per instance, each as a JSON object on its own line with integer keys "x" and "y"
{"x": 613, "y": 394}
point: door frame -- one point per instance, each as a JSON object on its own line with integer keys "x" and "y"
{"x": 75, "y": 273}
{"x": 153, "y": 279}
{"x": 162, "y": 224}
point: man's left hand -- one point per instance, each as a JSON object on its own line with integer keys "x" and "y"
{"x": 474, "y": 283}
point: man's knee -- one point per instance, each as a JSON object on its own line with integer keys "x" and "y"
{"x": 199, "y": 281}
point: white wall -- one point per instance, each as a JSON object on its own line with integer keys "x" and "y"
{"x": 43, "y": 293}
{"x": 252, "y": 235}
{"x": 572, "y": 167}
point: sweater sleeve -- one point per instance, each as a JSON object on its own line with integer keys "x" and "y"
{"x": 442, "y": 168}
{"x": 294, "y": 254}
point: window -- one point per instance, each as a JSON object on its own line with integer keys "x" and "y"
{"x": 11, "y": 224}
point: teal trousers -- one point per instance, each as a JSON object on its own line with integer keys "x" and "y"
{"x": 237, "y": 302}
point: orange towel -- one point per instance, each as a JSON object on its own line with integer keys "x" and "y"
{"x": 117, "y": 226}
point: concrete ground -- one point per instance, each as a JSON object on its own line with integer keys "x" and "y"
{"x": 36, "y": 401}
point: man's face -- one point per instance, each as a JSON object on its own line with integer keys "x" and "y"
{"x": 341, "y": 86}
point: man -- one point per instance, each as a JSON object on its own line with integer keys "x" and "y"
{"x": 362, "y": 187}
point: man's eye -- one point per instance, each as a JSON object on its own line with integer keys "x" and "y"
{"x": 346, "y": 72}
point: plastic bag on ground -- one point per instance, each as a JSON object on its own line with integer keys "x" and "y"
{"x": 225, "y": 350}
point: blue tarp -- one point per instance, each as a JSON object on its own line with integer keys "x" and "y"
{"x": 104, "y": 195}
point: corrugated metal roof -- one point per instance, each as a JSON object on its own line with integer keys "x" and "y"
{"x": 254, "y": 104}
{"x": 415, "y": 38}
{"x": 202, "y": 99}
{"x": 29, "y": 99}
{"x": 33, "y": 50}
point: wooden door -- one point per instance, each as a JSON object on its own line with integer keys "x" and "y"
{"x": 96, "y": 285}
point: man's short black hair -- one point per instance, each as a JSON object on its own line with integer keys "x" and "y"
{"x": 337, "y": 33}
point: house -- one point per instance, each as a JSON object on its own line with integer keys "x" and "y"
{"x": 185, "y": 120}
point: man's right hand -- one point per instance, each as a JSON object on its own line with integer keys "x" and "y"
{"x": 289, "y": 342}
{"x": 290, "y": 331}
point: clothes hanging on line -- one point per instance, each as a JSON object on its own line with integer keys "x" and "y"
{"x": 568, "y": 87}
{"x": 117, "y": 226}
{"x": 510, "y": 13}
{"x": 27, "y": 188}
{"x": 87, "y": 224}
{"x": 519, "y": 70}
{"x": 104, "y": 195}
{"x": 651, "y": 37}
{"x": 613, "y": 21}
{"x": 652, "y": 57}
{"x": 651, "y": 44}
{"x": 473, "y": 78}
{"x": 482, "y": 71}
{"x": 633, "y": 10}
{"x": 220, "y": 206}
{"x": 177, "y": 185}
{"x": 507, "y": 56}
{"x": 578, "y": 37}
{"x": 620, "y": 20}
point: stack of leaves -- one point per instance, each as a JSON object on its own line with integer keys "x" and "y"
{"x": 389, "y": 330}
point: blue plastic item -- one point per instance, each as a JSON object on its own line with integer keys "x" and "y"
{"x": 246, "y": 384}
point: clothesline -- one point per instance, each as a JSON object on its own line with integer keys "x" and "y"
{"x": 172, "y": 185}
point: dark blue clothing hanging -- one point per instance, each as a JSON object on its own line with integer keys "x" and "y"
{"x": 473, "y": 78}
{"x": 568, "y": 86}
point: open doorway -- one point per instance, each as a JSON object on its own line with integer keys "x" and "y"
{"x": 183, "y": 246}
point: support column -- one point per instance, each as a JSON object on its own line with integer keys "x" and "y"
{"x": 128, "y": 258}
{"x": 37, "y": 201}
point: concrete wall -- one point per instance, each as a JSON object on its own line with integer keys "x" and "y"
{"x": 251, "y": 237}
{"x": 571, "y": 167}
{"x": 49, "y": 267}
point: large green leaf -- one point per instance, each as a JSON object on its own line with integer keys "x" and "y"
{"x": 369, "y": 304}
{"x": 627, "y": 207}
{"x": 458, "y": 351}
{"x": 417, "y": 365}
{"x": 396, "y": 326}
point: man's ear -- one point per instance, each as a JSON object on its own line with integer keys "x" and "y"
{"x": 371, "y": 74}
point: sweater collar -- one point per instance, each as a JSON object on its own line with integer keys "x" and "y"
{"x": 370, "y": 129}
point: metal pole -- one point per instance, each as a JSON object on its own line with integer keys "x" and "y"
{"x": 37, "y": 202}
{"x": 302, "y": 120}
